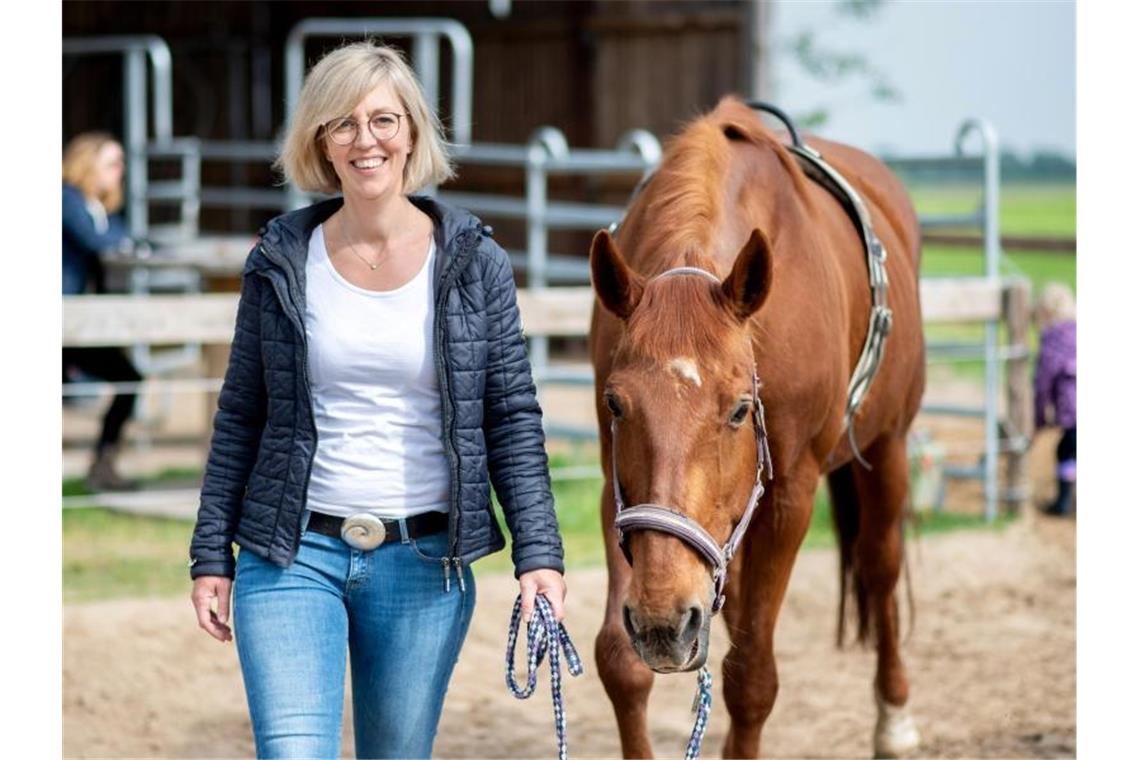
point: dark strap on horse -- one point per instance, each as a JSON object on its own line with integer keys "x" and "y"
{"x": 879, "y": 322}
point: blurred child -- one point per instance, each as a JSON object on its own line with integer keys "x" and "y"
{"x": 1055, "y": 384}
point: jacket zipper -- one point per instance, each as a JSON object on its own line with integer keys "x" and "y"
{"x": 294, "y": 313}
{"x": 445, "y": 381}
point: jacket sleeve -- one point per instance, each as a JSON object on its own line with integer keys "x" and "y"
{"x": 79, "y": 228}
{"x": 1043, "y": 379}
{"x": 512, "y": 426}
{"x": 238, "y": 425}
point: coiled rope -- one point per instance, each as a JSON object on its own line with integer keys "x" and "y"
{"x": 543, "y": 629}
{"x": 543, "y": 633}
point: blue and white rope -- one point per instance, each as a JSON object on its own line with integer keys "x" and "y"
{"x": 543, "y": 629}
{"x": 702, "y": 705}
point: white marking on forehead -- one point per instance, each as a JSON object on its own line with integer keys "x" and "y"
{"x": 686, "y": 368}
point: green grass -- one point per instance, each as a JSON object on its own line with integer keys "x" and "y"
{"x": 109, "y": 554}
{"x": 166, "y": 477}
{"x": 1047, "y": 210}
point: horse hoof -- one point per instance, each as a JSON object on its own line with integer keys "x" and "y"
{"x": 895, "y": 733}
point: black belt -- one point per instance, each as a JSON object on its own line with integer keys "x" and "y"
{"x": 423, "y": 524}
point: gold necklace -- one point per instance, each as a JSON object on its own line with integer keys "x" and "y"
{"x": 357, "y": 253}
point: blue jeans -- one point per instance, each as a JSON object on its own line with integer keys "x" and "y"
{"x": 387, "y": 608}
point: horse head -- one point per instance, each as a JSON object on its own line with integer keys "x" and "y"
{"x": 681, "y": 396}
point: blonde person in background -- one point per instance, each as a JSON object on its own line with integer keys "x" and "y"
{"x": 378, "y": 385}
{"x": 92, "y": 194}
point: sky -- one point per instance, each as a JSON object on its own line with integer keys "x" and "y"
{"x": 1012, "y": 63}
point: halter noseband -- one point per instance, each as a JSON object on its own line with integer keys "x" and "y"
{"x": 649, "y": 516}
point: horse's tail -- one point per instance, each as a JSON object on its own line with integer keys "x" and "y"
{"x": 845, "y": 516}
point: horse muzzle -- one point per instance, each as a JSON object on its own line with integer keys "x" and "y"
{"x": 674, "y": 644}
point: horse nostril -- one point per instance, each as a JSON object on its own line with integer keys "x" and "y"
{"x": 692, "y": 623}
{"x": 627, "y": 619}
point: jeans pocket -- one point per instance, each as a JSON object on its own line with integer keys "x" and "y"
{"x": 431, "y": 548}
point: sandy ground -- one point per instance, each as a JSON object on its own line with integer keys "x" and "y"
{"x": 991, "y": 658}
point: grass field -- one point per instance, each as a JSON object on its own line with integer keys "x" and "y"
{"x": 1026, "y": 210}
{"x": 110, "y": 554}
{"x": 1046, "y": 210}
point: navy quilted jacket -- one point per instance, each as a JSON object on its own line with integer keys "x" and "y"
{"x": 261, "y": 453}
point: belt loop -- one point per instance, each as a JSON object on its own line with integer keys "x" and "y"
{"x": 305, "y": 520}
{"x": 403, "y": 530}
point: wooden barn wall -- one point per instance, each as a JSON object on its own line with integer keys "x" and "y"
{"x": 592, "y": 69}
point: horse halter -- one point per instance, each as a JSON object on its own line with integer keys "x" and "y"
{"x": 649, "y": 516}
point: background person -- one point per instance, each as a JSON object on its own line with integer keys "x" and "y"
{"x": 92, "y": 194}
{"x": 1055, "y": 385}
{"x": 378, "y": 370}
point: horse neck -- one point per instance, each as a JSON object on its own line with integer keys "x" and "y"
{"x": 753, "y": 192}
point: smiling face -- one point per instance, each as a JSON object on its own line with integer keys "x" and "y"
{"x": 369, "y": 168}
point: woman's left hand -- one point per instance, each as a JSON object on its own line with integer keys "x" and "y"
{"x": 544, "y": 581}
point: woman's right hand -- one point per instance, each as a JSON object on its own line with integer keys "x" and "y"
{"x": 207, "y": 588}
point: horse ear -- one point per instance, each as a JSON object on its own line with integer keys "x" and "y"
{"x": 618, "y": 287}
{"x": 747, "y": 286}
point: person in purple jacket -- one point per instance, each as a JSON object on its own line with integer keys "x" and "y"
{"x": 1055, "y": 385}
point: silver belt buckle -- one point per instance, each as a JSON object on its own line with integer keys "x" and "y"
{"x": 364, "y": 531}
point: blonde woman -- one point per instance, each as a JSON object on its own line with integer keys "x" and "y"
{"x": 378, "y": 385}
{"x": 92, "y": 194}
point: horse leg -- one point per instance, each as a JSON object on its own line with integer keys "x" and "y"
{"x": 627, "y": 679}
{"x": 878, "y": 556}
{"x": 755, "y": 593}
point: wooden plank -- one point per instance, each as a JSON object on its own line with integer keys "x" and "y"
{"x": 209, "y": 318}
{"x": 556, "y": 311}
{"x": 959, "y": 299}
{"x": 155, "y": 320}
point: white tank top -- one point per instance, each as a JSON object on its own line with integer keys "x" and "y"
{"x": 375, "y": 393}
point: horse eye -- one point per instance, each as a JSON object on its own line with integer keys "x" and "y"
{"x": 740, "y": 413}
{"x": 614, "y": 406}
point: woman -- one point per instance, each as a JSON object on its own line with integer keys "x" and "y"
{"x": 92, "y": 193}
{"x": 1055, "y": 385}
{"x": 378, "y": 376}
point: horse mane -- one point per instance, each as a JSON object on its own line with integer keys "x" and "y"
{"x": 684, "y": 206}
{"x": 685, "y": 199}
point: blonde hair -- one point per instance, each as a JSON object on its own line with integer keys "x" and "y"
{"x": 1055, "y": 304}
{"x": 79, "y": 159}
{"x": 333, "y": 88}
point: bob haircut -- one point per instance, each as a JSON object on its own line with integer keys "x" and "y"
{"x": 79, "y": 159}
{"x": 333, "y": 88}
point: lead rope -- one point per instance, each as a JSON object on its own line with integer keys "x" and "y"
{"x": 544, "y": 629}
{"x": 702, "y": 705}
{"x": 540, "y": 632}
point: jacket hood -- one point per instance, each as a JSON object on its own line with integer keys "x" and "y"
{"x": 289, "y": 233}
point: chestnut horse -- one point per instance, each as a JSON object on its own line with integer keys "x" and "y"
{"x": 674, "y": 360}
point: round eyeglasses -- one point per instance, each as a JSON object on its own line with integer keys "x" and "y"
{"x": 384, "y": 126}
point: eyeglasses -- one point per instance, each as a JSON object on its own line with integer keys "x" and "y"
{"x": 383, "y": 125}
